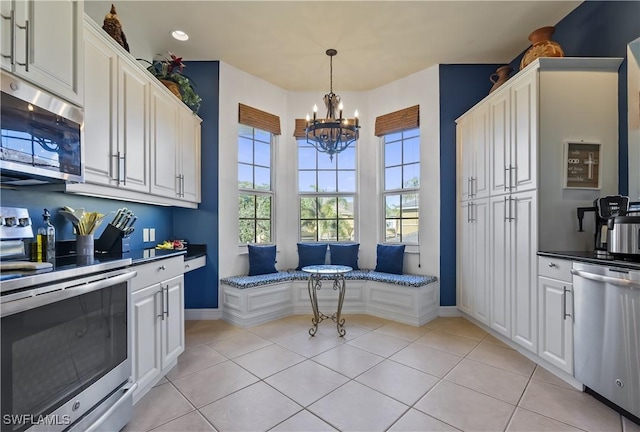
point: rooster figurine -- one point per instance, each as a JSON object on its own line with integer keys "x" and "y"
{"x": 113, "y": 27}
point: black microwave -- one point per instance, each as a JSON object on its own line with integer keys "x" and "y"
{"x": 41, "y": 136}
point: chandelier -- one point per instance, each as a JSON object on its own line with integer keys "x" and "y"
{"x": 332, "y": 134}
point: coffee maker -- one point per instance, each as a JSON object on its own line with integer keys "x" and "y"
{"x": 604, "y": 208}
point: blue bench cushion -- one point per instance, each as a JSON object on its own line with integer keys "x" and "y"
{"x": 258, "y": 280}
{"x": 404, "y": 279}
{"x": 298, "y": 275}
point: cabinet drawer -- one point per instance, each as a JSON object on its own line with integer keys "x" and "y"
{"x": 157, "y": 271}
{"x": 555, "y": 268}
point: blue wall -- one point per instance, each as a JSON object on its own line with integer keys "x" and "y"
{"x": 461, "y": 87}
{"x": 201, "y": 225}
{"x": 160, "y": 218}
{"x": 594, "y": 29}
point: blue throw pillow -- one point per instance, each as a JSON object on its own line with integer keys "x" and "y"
{"x": 390, "y": 258}
{"x": 311, "y": 254}
{"x": 262, "y": 260}
{"x": 345, "y": 254}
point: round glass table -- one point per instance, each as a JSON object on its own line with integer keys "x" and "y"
{"x": 334, "y": 274}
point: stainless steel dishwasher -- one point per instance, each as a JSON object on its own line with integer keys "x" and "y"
{"x": 607, "y": 332}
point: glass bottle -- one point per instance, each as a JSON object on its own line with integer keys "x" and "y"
{"x": 46, "y": 240}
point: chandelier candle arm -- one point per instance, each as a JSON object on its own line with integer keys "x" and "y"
{"x": 331, "y": 135}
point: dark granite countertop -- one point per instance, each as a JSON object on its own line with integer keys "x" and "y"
{"x": 592, "y": 257}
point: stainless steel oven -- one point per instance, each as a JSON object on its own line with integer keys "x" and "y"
{"x": 41, "y": 135}
{"x": 66, "y": 354}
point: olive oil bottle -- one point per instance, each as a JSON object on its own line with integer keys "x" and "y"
{"x": 44, "y": 247}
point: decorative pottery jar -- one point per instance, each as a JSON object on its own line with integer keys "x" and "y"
{"x": 542, "y": 46}
{"x": 173, "y": 87}
{"x": 500, "y": 77}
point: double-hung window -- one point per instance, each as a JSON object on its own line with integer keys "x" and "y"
{"x": 326, "y": 194}
{"x": 401, "y": 186}
{"x": 255, "y": 191}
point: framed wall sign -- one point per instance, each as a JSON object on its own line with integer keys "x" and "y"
{"x": 582, "y": 165}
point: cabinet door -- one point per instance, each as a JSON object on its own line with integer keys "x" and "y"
{"x": 555, "y": 326}
{"x": 499, "y": 268}
{"x": 146, "y": 340}
{"x": 524, "y": 132}
{"x": 480, "y": 175}
{"x": 133, "y": 127}
{"x": 465, "y": 149}
{"x": 465, "y": 259}
{"x": 7, "y": 20}
{"x": 100, "y": 120}
{"x": 480, "y": 228}
{"x": 164, "y": 141}
{"x": 499, "y": 148}
{"x": 173, "y": 325}
{"x": 50, "y": 45}
{"x": 524, "y": 265}
{"x": 190, "y": 156}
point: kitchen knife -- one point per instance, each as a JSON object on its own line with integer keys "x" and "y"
{"x": 118, "y": 218}
{"x": 130, "y": 223}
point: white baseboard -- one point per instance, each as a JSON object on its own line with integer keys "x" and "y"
{"x": 448, "y": 311}
{"x": 202, "y": 314}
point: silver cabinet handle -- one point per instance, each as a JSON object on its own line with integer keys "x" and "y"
{"x": 27, "y": 49}
{"x": 182, "y": 185}
{"x": 504, "y": 177}
{"x": 12, "y": 48}
{"x": 553, "y": 264}
{"x": 564, "y": 303}
{"x": 472, "y": 205}
{"x": 167, "y": 288}
{"x": 511, "y": 217}
{"x": 162, "y": 302}
{"x": 505, "y": 209}
{"x": 179, "y": 185}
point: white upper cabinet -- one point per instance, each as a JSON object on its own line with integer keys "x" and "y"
{"x": 116, "y": 117}
{"x": 189, "y": 156}
{"x": 164, "y": 144}
{"x": 500, "y": 143}
{"x": 133, "y": 128}
{"x": 524, "y": 133}
{"x": 42, "y": 43}
{"x": 473, "y": 146}
{"x": 141, "y": 143}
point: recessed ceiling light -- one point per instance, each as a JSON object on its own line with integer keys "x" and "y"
{"x": 180, "y": 35}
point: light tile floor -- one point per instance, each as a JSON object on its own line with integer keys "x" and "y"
{"x": 444, "y": 376}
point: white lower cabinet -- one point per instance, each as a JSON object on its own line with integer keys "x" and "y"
{"x": 157, "y": 330}
{"x": 513, "y": 267}
{"x": 473, "y": 246}
{"x": 555, "y": 315}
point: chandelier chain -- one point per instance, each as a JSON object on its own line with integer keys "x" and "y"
{"x": 331, "y": 74}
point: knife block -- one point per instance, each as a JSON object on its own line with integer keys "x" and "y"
{"x": 113, "y": 241}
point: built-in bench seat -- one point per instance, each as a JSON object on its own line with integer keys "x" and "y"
{"x": 411, "y": 280}
{"x": 252, "y": 300}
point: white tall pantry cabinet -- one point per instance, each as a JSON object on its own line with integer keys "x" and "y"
{"x": 512, "y": 198}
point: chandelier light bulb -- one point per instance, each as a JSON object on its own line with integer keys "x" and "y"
{"x": 308, "y": 118}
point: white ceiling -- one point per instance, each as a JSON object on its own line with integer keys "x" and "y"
{"x": 284, "y": 42}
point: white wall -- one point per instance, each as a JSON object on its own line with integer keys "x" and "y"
{"x": 237, "y": 87}
{"x": 421, "y": 88}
